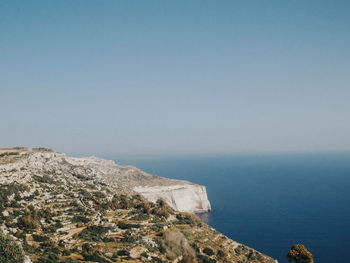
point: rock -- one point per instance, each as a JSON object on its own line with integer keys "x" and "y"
{"x": 176, "y": 245}
{"x": 5, "y": 213}
{"x": 27, "y": 260}
{"x": 137, "y": 251}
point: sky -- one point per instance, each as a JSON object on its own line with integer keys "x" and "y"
{"x": 175, "y": 77}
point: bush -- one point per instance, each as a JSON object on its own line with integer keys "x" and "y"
{"x": 140, "y": 217}
{"x": 10, "y": 252}
{"x": 50, "y": 229}
{"x": 220, "y": 254}
{"x": 124, "y": 225}
{"x": 8, "y": 190}
{"x": 29, "y": 221}
{"x": 124, "y": 202}
{"x": 144, "y": 206}
{"x": 208, "y": 251}
{"x": 58, "y": 224}
{"x": 95, "y": 257}
{"x": 123, "y": 253}
{"x": 157, "y": 227}
{"x": 93, "y": 233}
{"x": 39, "y": 238}
{"x": 45, "y": 179}
{"x": 162, "y": 209}
{"x": 79, "y": 218}
{"x": 86, "y": 248}
{"x": 48, "y": 258}
{"x": 204, "y": 259}
{"x": 99, "y": 194}
{"x": 128, "y": 238}
{"x": 188, "y": 219}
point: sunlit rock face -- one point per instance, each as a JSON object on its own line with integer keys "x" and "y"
{"x": 190, "y": 198}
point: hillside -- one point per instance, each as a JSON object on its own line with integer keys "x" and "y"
{"x": 63, "y": 209}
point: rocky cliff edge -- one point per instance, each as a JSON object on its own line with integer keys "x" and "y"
{"x": 180, "y": 195}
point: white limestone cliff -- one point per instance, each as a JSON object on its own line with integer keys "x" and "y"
{"x": 186, "y": 197}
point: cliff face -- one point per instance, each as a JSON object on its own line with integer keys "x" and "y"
{"x": 88, "y": 210}
{"x": 186, "y": 197}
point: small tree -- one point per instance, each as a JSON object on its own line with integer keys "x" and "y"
{"x": 10, "y": 252}
{"x": 299, "y": 254}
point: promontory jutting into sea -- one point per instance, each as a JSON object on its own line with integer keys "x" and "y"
{"x": 92, "y": 209}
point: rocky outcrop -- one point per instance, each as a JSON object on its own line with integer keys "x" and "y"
{"x": 176, "y": 245}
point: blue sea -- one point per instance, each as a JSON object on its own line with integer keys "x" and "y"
{"x": 270, "y": 202}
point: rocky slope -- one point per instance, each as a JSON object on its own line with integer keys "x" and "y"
{"x": 63, "y": 209}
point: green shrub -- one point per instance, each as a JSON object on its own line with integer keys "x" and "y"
{"x": 220, "y": 254}
{"x": 123, "y": 253}
{"x": 157, "y": 227}
{"x": 140, "y": 217}
{"x": 143, "y": 205}
{"x": 99, "y": 194}
{"x": 79, "y": 218}
{"x": 48, "y": 258}
{"x": 66, "y": 252}
{"x": 162, "y": 209}
{"x": 10, "y": 252}
{"x": 50, "y": 229}
{"x": 39, "y": 238}
{"x": 208, "y": 251}
{"x": 124, "y": 225}
{"x": 28, "y": 221}
{"x": 93, "y": 233}
{"x": 86, "y": 248}
{"x": 188, "y": 219}
{"x": 95, "y": 257}
{"x": 7, "y": 190}
{"x": 45, "y": 179}
{"x": 128, "y": 237}
{"x": 204, "y": 259}
{"x": 124, "y": 202}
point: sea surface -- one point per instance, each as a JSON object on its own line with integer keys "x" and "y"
{"x": 270, "y": 202}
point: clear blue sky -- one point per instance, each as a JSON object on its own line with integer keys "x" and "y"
{"x": 159, "y": 77}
